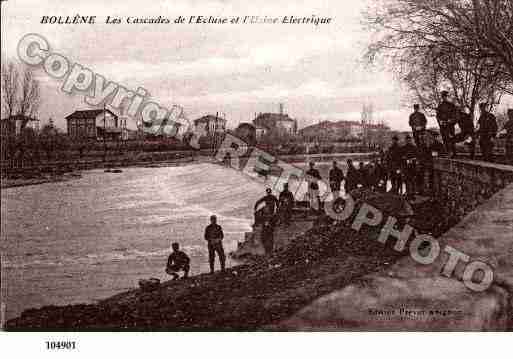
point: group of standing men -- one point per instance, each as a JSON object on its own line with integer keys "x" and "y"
{"x": 448, "y": 116}
{"x": 401, "y": 164}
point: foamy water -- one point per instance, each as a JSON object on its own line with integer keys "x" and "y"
{"x": 87, "y": 239}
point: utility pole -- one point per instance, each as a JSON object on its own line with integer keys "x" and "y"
{"x": 104, "y": 136}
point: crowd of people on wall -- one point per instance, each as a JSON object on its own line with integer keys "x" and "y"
{"x": 404, "y": 169}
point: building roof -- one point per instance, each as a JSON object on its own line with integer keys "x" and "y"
{"x": 269, "y": 120}
{"x": 208, "y": 118}
{"x": 83, "y": 114}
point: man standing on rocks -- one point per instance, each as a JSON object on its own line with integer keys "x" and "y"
{"x": 409, "y": 152}
{"x": 395, "y": 164}
{"x": 214, "y": 237}
{"x": 336, "y": 177}
{"x": 446, "y": 116}
{"x": 313, "y": 177}
{"x": 487, "y": 132}
{"x": 269, "y": 210}
{"x": 418, "y": 124}
{"x": 286, "y": 205}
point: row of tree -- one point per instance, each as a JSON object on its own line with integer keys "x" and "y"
{"x": 463, "y": 46}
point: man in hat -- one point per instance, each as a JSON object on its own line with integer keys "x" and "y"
{"x": 336, "y": 177}
{"x": 487, "y": 131}
{"x": 313, "y": 177}
{"x": 214, "y": 237}
{"x": 409, "y": 160}
{"x": 395, "y": 164}
{"x": 418, "y": 124}
{"x": 286, "y": 204}
{"x": 508, "y": 126}
{"x": 269, "y": 210}
{"x": 446, "y": 117}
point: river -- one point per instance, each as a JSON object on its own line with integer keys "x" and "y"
{"x": 86, "y": 239}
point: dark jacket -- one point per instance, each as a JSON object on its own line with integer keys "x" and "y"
{"x": 445, "y": 113}
{"x": 487, "y": 125}
{"x": 409, "y": 151}
{"x": 395, "y": 157}
{"x": 336, "y": 175}
{"x": 179, "y": 259}
{"x": 417, "y": 119}
{"x": 271, "y": 202}
{"x": 313, "y": 173}
{"x": 213, "y": 232}
{"x": 286, "y": 198}
{"x": 508, "y": 126}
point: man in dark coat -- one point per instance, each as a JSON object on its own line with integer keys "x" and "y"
{"x": 409, "y": 160}
{"x": 418, "y": 124}
{"x": 269, "y": 210}
{"x": 395, "y": 165}
{"x": 313, "y": 177}
{"x": 286, "y": 204}
{"x": 487, "y": 132}
{"x": 446, "y": 116}
{"x": 336, "y": 176}
{"x": 351, "y": 177}
{"x": 214, "y": 236}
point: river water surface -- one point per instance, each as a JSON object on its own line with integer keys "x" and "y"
{"x": 89, "y": 238}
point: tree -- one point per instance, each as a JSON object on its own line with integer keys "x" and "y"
{"x": 10, "y": 86}
{"x": 461, "y": 45}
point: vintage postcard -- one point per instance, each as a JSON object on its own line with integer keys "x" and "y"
{"x": 229, "y": 165}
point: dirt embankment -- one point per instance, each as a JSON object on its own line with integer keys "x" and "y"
{"x": 246, "y": 297}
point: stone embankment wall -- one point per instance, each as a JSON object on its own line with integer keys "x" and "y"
{"x": 463, "y": 185}
{"x": 415, "y": 297}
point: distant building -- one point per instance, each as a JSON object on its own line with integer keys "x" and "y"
{"x": 279, "y": 124}
{"x": 211, "y": 124}
{"x": 94, "y": 124}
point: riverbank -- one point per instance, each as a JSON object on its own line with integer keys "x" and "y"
{"x": 38, "y": 179}
{"x": 245, "y": 297}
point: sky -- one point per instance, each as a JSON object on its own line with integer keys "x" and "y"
{"x": 317, "y": 72}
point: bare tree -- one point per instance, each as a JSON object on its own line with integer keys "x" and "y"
{"x": 435, "y": 44}
{"x": 10, "y": 86}
{"x": 20, "y": 90}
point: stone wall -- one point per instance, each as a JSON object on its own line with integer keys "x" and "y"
{"x": 462, "y": 185}
{"x": 410, "y": 296}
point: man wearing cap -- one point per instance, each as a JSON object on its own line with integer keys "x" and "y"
{"x": 214, "y": 237}
{"x": 313, "y": 177}
{"x": 418, "y": 124}
{"x": 409, "y": 160}
{"x": 446, "y": 117}
{"x": 487, "y": 131}
{"x": 508, "y": 126}
{"x": 269, "y": 210}
{"x": 336, "y": 177}
{"x": 394, "y": 164}
{"x": 286, "y": 204}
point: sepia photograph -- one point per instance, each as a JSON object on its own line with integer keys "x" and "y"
{"x": 242, "y": 166}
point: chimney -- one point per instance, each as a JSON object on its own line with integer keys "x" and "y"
{"x": 281, "y": 109}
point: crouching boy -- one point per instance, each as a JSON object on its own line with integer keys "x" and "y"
{"x": 178, "y": 261}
